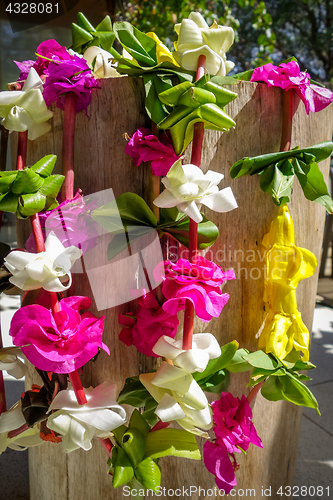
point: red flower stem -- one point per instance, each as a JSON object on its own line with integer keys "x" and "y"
{"x": 287, "y": 119}
{"x": 3, "y": 147}
{"x": 38, "y": 233}
{"x": 255, "y": 391}
{"x": 67, "y": 191}
{"x": 193, "y": 231}
{"x": 22, "y": 150}
{"x": 18, "y": 431}
{"x": 74, "y": 377}
{"x": 107, "y": 445}
{"x": 160, "y": 425}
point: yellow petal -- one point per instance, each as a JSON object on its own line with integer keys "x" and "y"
{"x": 162, "y": 52}
{"x": 281, "y": 231}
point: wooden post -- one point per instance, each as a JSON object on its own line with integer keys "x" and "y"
{"x": 100, "y": 163}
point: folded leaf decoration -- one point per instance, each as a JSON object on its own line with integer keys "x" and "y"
{"x": 277, "y": 173}
{"x": 84, "y": 35}
{"x": 26, "y": 192}
{"x": 202, "y": 101}
{"x": 281, "y": 378}
{"x": 138, "y": 219}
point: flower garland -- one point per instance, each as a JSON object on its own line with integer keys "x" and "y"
{"x": 54, "y": 334}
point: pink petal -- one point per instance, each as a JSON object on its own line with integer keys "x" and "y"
{"x": 261, "y": 74}
{"x": 217, "y": 462}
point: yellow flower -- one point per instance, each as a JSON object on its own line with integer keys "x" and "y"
{"x": 162, "y": 52}
{"x": 287, "y": 265}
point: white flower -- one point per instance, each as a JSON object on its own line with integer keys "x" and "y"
{"x": 204, "y": 347}
{"x": 12, "y": 420}
{"x": 26, "y": 109}
{"x": 98, "y": 60}
{"x": 43, "y": 270}
{"x": 78, "y": 424}
{"x": 196, "y": 38}
{"x": 187, "y": 187}
{"x": 10, "y": 361}
{"x": 179, "y": 396}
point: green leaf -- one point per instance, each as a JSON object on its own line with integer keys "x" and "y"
{"x": 149, "y": 413}
{"x": 290, "y": 389}
{"x": 133, "y": 393}
{"x": 277, "y": 173}
{"x": 45, "y": 166}
{"x": 217, "y": 383}
{"x": 172, "y": 442}
{"x": 195, "y": 97}
{"x": 6, "y": 180}
{"x": 224, "y": 80}
{"x": 172, "y": 95}
{"x": 213, "y": 117}
{"x": 207, "y": 231}
{"x": 30, "y": 204}
{"x": 215, "y": 365}
{"x": 26, "y": 182}
{"x": 154, "y": 107}
{"x": 136, "y": 488}
{"x": 148, "y": 473}
{"x": 123, "y": 470}
{"x": 139, "y": 45}
{"x": 259, "y": 359}
{"x": 237, "y": 363}
{"x": 137, "y": 421}
{"x": 85, "y": 35}
{"x": 8, "y": 202}
{"x": 314, "y": 187}
{"x": 223, "y": 96}
{"x": 118, "y": 434}
{"x": 52, "y": 185}
{"x": 127, "y": 237}
{"x": 128, "y": 208}
{"x": 277, "y": 180}
{"x": 253, "y": 165}
{"x": 133, "y": 443}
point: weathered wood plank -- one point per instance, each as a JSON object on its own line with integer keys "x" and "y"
{"x": 101, "y": 163}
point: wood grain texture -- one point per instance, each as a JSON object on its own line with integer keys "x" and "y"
{"x": 100, "y": 163}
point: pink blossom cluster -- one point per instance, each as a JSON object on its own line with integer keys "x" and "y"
{"x": 234, "y": 432}
{"x": 199, "y": 283}
{"x": 147, "y": 325}
{"x": 289, "y": 76}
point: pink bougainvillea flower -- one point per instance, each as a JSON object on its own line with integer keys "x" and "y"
{"x": 128, "y": 320}
{"x": 24, "y": 68}
{"x": 60, "y": 342}
{"x": 234, "y": 428}
{"x": 217, "y": 462}
{"x": 48, "y": 50}
{"x": 71, "y": 222}
{"x": 149, "y": 323}
{"x": 289, "y": 76}
{"x": 234, "y": 432}
{"x": 144, "y": 146}
{"x": 72, "y": 75}
{"x": 200, "y": 283}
